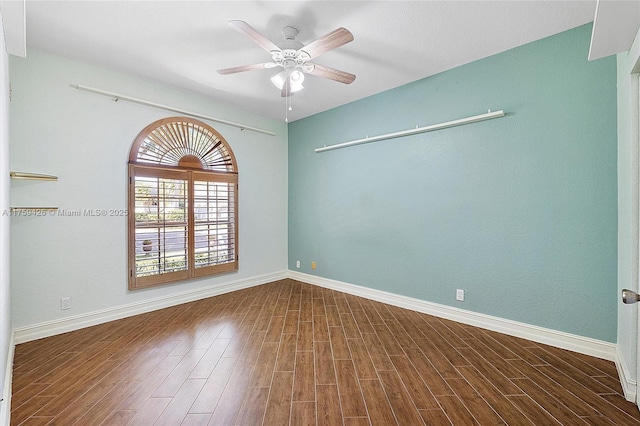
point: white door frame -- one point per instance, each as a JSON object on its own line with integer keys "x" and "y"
{"x": 634, "y": 134}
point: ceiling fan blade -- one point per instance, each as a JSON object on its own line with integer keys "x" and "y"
{"x": 254, "y": 35}
{"x": 333, "y": 40}
{"x": 243, "y": 68}
{"x": 331, "y": 73}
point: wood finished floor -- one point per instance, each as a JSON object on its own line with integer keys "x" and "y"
{"x": 292, "y": 353}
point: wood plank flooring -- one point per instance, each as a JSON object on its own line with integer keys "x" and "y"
{"x": 292, "y": 353}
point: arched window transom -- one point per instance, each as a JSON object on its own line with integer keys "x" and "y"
{"x": 181, "y": 140}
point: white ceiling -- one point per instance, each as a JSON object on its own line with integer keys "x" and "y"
{"x": 183, "y": 43}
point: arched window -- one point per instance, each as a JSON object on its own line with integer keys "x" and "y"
{"x": 183, "y": 203}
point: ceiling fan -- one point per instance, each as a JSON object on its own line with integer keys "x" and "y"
{"x": 294, "y": 57}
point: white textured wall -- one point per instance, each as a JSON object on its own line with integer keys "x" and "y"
{"x": 85, "y": 139}
{"x": 5, "y": 295}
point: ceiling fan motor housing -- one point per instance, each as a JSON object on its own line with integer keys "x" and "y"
{"x": 290, "y": 57}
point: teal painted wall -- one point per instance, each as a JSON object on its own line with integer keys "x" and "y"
{"x": 520, "y": 211}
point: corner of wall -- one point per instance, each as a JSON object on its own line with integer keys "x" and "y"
{"x": 627, "y": 380}
{"x": 5, "y": 402}
{"x": 6, "y": 335}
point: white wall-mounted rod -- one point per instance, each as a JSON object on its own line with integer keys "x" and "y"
{"x": 482, "y": 117}
{"x": 117, "y": 97}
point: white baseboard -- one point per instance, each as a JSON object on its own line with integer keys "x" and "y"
{"x": 5, "y": 405}
{"x": 627, "y": 381}
{"x": 580, "y": 344}
{"x": 51, "y": 328}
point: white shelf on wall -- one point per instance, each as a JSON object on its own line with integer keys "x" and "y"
{"x": 32, "y": 176}
{"x": 34, "y": 209}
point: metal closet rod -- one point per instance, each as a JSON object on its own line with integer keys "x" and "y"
{"x": 117, "y": 97}
{"x": 482, "y": 117}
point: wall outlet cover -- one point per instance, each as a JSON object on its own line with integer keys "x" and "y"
{"x": 65, "y": 303}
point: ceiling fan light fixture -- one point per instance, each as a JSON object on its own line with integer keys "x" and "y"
{"x": 296, "y": 80}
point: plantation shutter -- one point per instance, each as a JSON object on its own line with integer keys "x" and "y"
{"x": 215, "y": 207}
{"x": 183, "y": 203}
{"x": 161, "y": 233}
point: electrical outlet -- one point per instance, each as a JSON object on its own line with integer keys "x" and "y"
{"x": 65, "y": 303}
{"x": 298, "y": 264}
{"x": 313, "y": 265}
{"x": 460, "y": 295}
